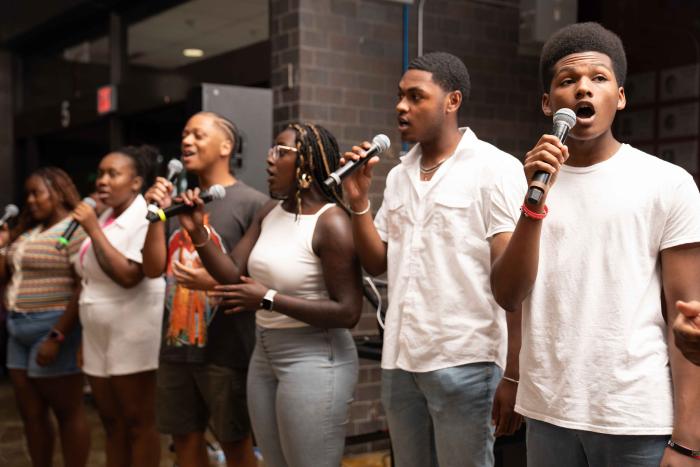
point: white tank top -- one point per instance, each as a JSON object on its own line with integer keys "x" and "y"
{"x": 283, "y": 259}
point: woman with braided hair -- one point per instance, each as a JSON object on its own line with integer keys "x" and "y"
{"x": 297, "y": 267}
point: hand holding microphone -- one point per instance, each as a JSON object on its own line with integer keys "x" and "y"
{"x": 356, "y": 172}
{"x": 545, "y": 159}
{"x": 84, "y": 212}
{"x": 191, "y": 200}
{"x": 159, "y": 195}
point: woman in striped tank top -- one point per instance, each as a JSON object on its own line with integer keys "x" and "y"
{"x": 297, "y": 267}
{"x": 44, "y": 335}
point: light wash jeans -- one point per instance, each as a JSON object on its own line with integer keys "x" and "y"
{"x": 553, "y": 446}
{"x": 441, "y": 417}
{"x": 300, "y": 385}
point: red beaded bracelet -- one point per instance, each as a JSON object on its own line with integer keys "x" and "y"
{"x": 532, "y": 214}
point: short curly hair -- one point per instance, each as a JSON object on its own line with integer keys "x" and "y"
{"x": 449, "y": 72}
{"x": 582, "y": 37}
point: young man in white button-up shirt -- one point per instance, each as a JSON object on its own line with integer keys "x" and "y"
{"x": 445, "y": 340}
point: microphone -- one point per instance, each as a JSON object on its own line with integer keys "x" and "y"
{"x": 72, "y": 227}
{"x": 564, "y": 120}
{"x": 380, "y": 143}
{"x": 214, "y": 192}
{"x": 10, "y": 211}
{"x": 174, "y": 169}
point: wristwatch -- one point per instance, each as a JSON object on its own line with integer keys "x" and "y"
{"x": 56, "y": 335}
{"x": 268, "y": 300}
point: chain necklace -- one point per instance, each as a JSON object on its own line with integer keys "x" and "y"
{"x": 427, "y": 173}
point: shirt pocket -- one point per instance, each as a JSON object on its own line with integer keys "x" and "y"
{"x": 450, "y": 218}
{"x": 398, "y": 220}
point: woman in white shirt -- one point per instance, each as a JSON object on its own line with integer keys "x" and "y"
{"x": 121, "y": 310}
{"x": 297, "y": 266}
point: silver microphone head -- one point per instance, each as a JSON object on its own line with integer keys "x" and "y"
{"x": 90, "y": 202}
{"x": 174, "y": 168}
{"x": 11, "y": 211}
{"x": 382, "y": 142}
{"x": 217, "y": 192}
{"x": 565, "y": 116}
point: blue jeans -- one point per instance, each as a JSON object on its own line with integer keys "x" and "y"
{"x": 441, "y": 417}
{"x": 300, "y": 385}
{"x": 553, "y": 446}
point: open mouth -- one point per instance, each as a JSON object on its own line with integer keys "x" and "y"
{"x": 584, "y": 111}
{"x": 403, "y": 123}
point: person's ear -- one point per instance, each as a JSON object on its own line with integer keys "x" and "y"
{"x": 137, "y": 184}
{"x": 621, "y": 99}
{"x": 454, "y": 101}
{"x": 546, "y": 108}
{"x": 226, "y": 148}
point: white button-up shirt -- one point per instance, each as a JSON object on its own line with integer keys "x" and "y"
{"x": 441, "y": 310}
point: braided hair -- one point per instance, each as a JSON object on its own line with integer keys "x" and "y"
{"x": 317, "y": 157}
{"x": 62, "y": 189}
{"x": 230, "y": 131}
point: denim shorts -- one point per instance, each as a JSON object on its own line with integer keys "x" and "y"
{"x": 26, "y": 332}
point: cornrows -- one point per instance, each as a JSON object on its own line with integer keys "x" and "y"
{"x": 229, "y": 129}
{"x": 318, "y": 155}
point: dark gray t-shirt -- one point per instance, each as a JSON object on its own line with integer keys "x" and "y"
{"x": 194, "y": 331}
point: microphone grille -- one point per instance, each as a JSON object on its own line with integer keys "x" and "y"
{"x": 11, "y": 210}
{"x": 217, "y": 192}
{"x": 90, "y": 202}
{"x": 565, "y": 116}
{"x": 174, "y": 166}
{"x": 382, "y": 142}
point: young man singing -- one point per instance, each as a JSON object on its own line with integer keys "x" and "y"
{"x": 445, "y": 342}
{"x": 601, "y": 383}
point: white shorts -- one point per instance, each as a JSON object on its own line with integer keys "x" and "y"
{"x": 120, "y": 338}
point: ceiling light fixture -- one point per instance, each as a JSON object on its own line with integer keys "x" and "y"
{"x": 193, "y": 53}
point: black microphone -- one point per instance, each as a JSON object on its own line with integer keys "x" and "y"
{"x": 564, "y": 120}
{"x": 174, "y": 169}
{"x": 214, "y": 192}
{"x": 10, "y": 211}
{"x": 380, "y": 143}
{"x": 72, "y": 227}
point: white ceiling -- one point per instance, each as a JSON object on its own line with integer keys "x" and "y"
{"x": 215, "y": 26}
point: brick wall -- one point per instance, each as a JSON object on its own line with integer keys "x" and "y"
{"x": 346, "y": 61}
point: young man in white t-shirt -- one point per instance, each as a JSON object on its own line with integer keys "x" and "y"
{"x": 599, "y": 385}
{"x": 445, "y": 346}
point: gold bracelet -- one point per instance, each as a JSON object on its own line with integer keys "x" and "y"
{"x": 364, "y": 211}
{"x": 199, "y": 245}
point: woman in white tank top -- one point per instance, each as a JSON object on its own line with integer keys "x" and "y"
{"x": 297, "y": 266}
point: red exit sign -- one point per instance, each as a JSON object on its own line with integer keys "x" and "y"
{"x": 106, "y": 99}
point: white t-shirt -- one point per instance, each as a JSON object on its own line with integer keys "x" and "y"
{"x": 441, "y": 310}
{"x": 594, "y": 355}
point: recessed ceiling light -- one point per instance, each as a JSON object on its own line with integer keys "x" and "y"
{"x": 193, "y": 53}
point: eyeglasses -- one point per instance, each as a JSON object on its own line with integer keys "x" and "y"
{"x": 276, "y": 151}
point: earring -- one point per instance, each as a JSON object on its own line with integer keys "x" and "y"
{"x": 304, "y": 181}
